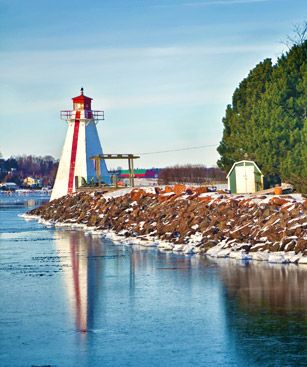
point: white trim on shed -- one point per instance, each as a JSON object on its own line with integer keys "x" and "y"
{"x": 244, "y": 161}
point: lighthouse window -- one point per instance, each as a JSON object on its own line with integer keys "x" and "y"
{"x": 78, "y": 106}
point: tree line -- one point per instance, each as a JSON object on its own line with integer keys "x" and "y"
{"x": 16, "y": 169}
{"x": 267, "y": 119}
{"x": 198, "y": 174}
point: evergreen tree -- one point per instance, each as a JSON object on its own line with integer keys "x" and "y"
{"x": 267, "y": 119}
{"x": 239, "y": 127}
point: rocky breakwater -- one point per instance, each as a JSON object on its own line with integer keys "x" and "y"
{"x": 191, "y": 220}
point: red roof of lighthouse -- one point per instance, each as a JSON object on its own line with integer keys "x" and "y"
{"x": 81, "y": 98}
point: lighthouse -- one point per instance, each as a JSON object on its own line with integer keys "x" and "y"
{"x": 81, "y": 143}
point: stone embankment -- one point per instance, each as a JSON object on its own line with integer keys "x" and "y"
{"x": 190, "y": 220}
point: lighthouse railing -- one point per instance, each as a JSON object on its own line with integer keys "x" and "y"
{"x": 68, "y": 115}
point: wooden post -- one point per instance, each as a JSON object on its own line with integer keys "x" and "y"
{"x": 76, "y": 182}
{"x": 98, "y": 168}
{"x": 132, "y": 173}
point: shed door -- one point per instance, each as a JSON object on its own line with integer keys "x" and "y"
{"x": 245, "y": 179}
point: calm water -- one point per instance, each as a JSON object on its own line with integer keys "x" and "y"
{"x": 69, "y": 299}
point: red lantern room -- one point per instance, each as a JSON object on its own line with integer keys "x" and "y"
{"x": 82, "y": 105}
{"x": 82, "y": 102}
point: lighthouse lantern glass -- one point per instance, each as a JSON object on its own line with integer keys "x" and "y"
{"x": 82, "y": 102}
{"x": 78, "y": 106}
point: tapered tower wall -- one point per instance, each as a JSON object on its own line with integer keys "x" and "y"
{"x": 93, "y": 147}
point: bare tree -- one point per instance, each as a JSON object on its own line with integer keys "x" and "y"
{"x": 298, "y": 37}
{"x": 197, "y": 174}
{"x": 18, "y": 168}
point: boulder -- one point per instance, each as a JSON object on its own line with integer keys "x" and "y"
{"x": 136, "y": 194}
{"x": 179, "y": 189}
{"x": 276, "y": 200}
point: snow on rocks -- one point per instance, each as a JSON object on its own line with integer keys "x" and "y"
{"x": 277, "y": 258}
{"x": 302, "y": 260}
{"x": 189, "y": 220}
{"x": 260, "y": 256}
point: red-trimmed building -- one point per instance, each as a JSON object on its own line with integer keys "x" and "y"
{"x": 140, "y": 173}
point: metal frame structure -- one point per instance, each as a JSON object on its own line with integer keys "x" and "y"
{"x": 130, "y": 158}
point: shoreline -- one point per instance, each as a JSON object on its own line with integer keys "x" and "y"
{"x": 134, "y": 230}
{"x": 278, "y": 257}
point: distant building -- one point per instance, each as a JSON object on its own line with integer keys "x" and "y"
{"x": 11, "y": 186}
{"x": 245, "y": 177}
{"x": 32, "y": 182}
{"x": 139, "y": 173}
{"x": 152, "y": 173}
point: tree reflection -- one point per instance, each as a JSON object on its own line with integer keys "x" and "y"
{"x": 265, "y": 308}
{"x": 260, "y": 286}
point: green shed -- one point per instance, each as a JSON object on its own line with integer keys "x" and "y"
{"x": 245, "y": 177}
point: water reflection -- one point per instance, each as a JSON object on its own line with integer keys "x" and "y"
{"x": 123, "y": 294}
{"x": 82, "y": 274}
{"x": 91, "y": 266}
{"x": 139, "y": 307}
{"x": 17, "y": 201}
{"x": 260, "y": 286}
{"x": 266, "y": 312}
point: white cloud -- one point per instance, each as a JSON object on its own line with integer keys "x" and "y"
{"x": 120, "y": 78}
{"x": 110, "y": 54}
{"x": 172, "y": 97}
{"x": 43, "y": 65}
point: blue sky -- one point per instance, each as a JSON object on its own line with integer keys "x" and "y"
{"x": 163, "y": 70}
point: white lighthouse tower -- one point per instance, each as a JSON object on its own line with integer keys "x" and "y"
{"x": 81, "y": 143}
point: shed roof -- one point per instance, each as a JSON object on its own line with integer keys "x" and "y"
{"x": 244, "y": 161}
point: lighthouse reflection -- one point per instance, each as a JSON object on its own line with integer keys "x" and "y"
{"x": 82, "y": 274}
{"x": 88, "y": 267}
{"x": 100, "y": 277}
